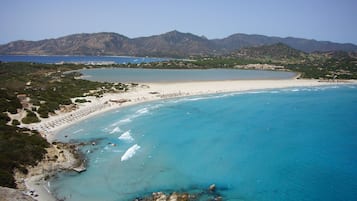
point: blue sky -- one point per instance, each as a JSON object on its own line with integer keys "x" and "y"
{"x": 333, "y": 20}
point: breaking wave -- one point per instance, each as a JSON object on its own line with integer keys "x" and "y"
{"x": 126, "y": 136}
{"x": 142, "y": 111}
{"x": 130, "y": 152}
{"x": 115, "y": 130}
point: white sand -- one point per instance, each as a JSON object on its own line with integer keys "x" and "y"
{"x": 40, "y": 188}
{"x": 143, "y": 93}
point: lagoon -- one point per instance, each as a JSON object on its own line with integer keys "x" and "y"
{"x": 179, "y": 75}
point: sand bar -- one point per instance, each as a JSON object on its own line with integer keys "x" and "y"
{"x": 145, "y": 92}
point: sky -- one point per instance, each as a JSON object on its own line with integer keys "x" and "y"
{"x": 329, "y": 20}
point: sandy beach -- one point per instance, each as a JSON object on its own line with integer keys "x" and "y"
{"x": 145, "y": 92}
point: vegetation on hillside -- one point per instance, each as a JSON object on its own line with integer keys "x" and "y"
{"x": 318, "y": 65}
{"x": 45, "y": 87}
{"x": 39, "y": 89}
{"x": 18, "y": 149}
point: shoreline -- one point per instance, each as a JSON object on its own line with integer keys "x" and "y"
{"x": 59, "y": 157}
{"x": 146, "y": 92}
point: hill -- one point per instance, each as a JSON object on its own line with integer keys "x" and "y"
{"x": 278, "y": 51}
{"x": 77, "y": 44}
{"x": 318, "y": 65}
{"x": 237, "y": 41}
{"x": 171, "y": 44}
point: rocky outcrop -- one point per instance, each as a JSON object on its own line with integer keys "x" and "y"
{"x": 210, "y": 194}
{"x": 160, "y": 196}
{"x": 10, "y": 194}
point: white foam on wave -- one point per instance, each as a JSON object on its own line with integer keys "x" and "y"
{"x": 274, "y": 92}
{"x": 254, "y": 92}
{"x": 126, "y": 136}
{"x": 115, "y": 130}
{"x": 121, "y": 121}
{"x": 130, "y": 152}
{"x": 138, "y": 113}
{"x": 196, "y": 98}
{"x": 207, "y": 97}
{"x": 156, "y": 106}
{"x": 142, "y": 111}
{"x": 77, "y": 131}
{"x": 127, "y": 120}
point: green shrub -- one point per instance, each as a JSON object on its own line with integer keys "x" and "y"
{"x": 30, "y": 118}
{"x": 81, "y": 100}
{"x": 52, "y": 106}
{"x": 4, "y": 118}
{"x": 9, "y": 102}
{"x": 43, "y": 111}
{"x": 18, "y": 149}
{"x": 6, "y": 179}
{"x": 15, "y": 122}
{"x": 66, "y": 101}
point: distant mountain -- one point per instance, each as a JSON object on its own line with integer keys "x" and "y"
{"x": 171, "y": 44}
{"x": 278, "y": 51}
{"x": 237, "y": 41}
{"x": 77, "y": 44}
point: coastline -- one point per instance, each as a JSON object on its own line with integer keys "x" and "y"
{"x": 145, "y": 92}
{"x": 60, "y": 156}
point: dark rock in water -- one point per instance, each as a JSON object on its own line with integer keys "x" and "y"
{"x": 160, "y": 196}
{"x": 219, "y": 198}
{"x": 80, "y": 169}
{"x": 212, "y": 187}
{"x": 182, "y": 196}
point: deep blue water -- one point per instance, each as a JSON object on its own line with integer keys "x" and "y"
{"x": 182, "y": 75}
{"x": 291, "y": 144}
{"x": 76, "y": 59}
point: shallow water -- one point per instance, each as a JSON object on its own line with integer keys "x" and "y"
{"x": 289, "y": 144}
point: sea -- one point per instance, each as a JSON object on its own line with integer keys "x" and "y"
{"x": 50, "y": 59}
{"x": 290, "y": 144}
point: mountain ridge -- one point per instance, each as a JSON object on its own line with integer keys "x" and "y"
{"x": 169, "y": 44}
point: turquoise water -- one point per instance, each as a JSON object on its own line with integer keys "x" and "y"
{"x": 290, "y": 144}
{"x": 165, "y": 75}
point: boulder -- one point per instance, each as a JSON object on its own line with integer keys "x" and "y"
{"x": 212, "y": 188}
